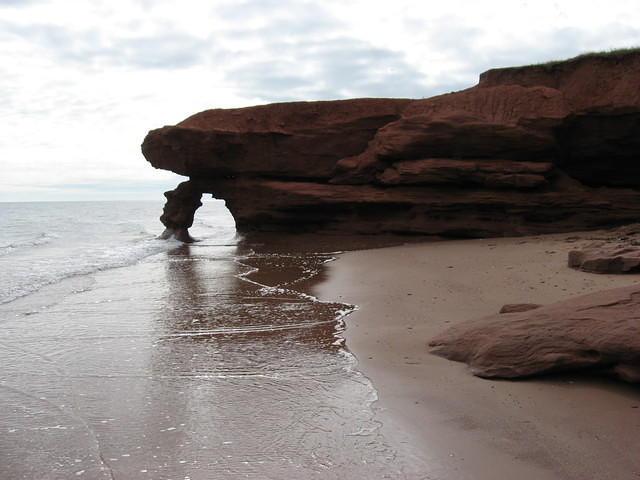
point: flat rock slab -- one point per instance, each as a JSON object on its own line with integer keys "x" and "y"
{"x": 598, "y": 332}
{"x": 619, "y": 252}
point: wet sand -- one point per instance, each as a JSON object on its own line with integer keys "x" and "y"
{"x": 459, "y": 426}
{"x": 203, "y": 362}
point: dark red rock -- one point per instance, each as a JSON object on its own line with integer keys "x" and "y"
{"x": 299, "y": 140}
{"x": 488, "y": 173}
{"x": 518, "y": 307}
{"x": 603, "y": 259}
{"x": 179, "y": 211}
{"x": 528, "y": 150}
{"x": 596, "y": 332}
{"x": 620, "y": 253}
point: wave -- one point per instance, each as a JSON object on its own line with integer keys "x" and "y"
{"x": 26, "y": 278}
{"x": 42, "y": 238}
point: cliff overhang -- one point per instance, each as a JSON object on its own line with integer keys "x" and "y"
{"x": 527, "y": 150}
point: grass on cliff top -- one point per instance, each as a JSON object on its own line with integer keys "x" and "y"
{"x": 616, "y": 54}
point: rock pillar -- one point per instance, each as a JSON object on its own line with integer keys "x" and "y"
{"x": 179, "y": 210}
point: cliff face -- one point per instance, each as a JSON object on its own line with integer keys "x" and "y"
{"x": 527, "y": 150}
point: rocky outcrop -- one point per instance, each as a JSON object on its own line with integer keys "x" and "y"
{"x": 596, "y": 332}
{"x": 528, "y": 150}
{"x": 179, "y": 211}
{"x": 616, "y": 252}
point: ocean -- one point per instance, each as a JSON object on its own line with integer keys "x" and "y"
{"x": 129, "y": 357}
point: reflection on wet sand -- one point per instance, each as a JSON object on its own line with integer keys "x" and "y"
{"x": 266, "y": 376}
{"x": 197, "y": 364}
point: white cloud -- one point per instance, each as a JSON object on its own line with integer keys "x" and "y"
{"x": 82, "y": 82}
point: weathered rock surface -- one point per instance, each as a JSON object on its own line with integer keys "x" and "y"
{"x": 528, "y": 150}
{"x": 179, "y": 211}
{"x": 518, "y": 307}
{"x": 598, "y": 332}
{"x": 618, "y": 252}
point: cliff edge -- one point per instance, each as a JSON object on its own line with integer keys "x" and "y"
{"x": 528, "y": 150}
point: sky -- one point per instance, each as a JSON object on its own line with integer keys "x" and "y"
{"x": 83, "y": 81}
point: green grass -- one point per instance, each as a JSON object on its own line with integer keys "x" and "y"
{"x": 615, "y": 54}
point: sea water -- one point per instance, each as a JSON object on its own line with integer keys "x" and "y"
{"x": 129, "y": 357}
{"x": 43, "y": 243}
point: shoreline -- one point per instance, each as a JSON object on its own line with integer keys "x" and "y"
{"x": 158, "y": 329}
{"x": 463, "y": 427}
{"x": 179, "y": 366}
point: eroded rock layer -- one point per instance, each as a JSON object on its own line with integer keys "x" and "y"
{"x": 528, "y": 150}
{"x": 617, "y": 251}
{"x": 597, "y": 332}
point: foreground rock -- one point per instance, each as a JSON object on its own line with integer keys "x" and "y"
{"x": 598, "y": 332}
{"x": 617, "y": 252}
{"x": 528, "y": 150}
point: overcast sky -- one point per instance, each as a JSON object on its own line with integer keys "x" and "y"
{"x": 82, "y": 81}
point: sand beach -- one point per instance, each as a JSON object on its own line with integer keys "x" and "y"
{"x": 459, "y": 426}
{"x": 130, "y": 357}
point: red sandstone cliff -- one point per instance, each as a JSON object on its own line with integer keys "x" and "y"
{"x": 528, "y": 150}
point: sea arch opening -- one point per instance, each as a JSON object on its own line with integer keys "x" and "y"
{"x": 179, "y": 211}
{"x": 213, "y": 219}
